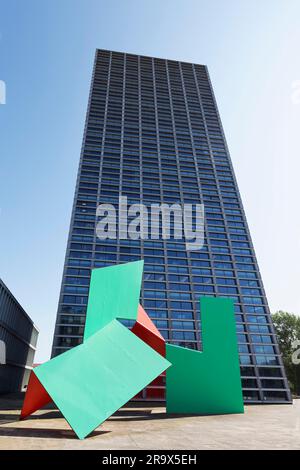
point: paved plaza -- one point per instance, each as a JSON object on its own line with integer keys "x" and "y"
{"x": 148, "y": 427}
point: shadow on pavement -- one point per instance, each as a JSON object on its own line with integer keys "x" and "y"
{"x": 10, "y": 418}
{"x": 46, "y": 433}
{"x": 145, "y": 415}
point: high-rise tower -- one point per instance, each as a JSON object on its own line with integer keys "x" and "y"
{"x": 153, "y": 134}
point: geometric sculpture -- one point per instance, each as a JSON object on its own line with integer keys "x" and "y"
{"x": 145, "y": 329}
{"x": 207, "y": 382}
{"x": 91, "y": 381}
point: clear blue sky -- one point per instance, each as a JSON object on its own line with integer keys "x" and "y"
{"x": 46, "y": 54}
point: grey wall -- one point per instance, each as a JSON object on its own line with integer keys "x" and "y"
{"x": 19, "y": 334}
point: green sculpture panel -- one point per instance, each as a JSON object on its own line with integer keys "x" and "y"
{"x": 114, "y": 293}
{"x": 207, "y": 382}
{"x": 92, "y": 381}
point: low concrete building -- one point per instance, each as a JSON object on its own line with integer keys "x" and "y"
{"x": 18, "y": 339}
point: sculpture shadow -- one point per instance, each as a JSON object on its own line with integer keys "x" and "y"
{"x": 13, "y": 417}
{"x": 46, "y": 433}
{"x": 145, "y": 415}
{"x": 131, "y": 415}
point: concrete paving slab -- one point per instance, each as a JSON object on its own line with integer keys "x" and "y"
{"x": 143, "y": 426}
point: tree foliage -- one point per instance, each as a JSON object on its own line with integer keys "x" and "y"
{"x": 287, "y": 327}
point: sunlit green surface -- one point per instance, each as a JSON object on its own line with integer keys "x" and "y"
{"x": 92, "y": 381}
{"x": 114, "y": 293}
{"x": 207, "y": 382}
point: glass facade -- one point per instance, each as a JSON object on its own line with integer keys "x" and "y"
{"x": 153, "y": 134}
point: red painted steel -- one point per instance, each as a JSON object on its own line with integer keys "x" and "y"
{"x": 35, "y": 398}
{"x": 145, "y": 329}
